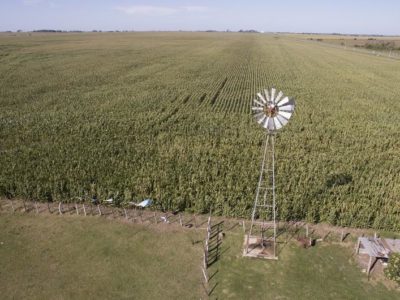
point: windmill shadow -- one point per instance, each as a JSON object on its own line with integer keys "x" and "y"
{"x": 288, "y": 233}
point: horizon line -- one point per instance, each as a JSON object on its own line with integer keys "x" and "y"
{"x": 182, "y": 30}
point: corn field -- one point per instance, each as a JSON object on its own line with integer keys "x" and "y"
{"x": 167, "y": 116}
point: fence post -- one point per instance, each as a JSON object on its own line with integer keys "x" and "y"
{"x": 180, "y": 219}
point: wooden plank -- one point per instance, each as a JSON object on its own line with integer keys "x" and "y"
{"x": 369, "y": 265}
{"x": 373, "y": 247}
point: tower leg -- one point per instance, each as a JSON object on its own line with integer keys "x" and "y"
{"x": 264, "y": 209}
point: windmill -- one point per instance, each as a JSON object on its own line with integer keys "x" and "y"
{"x": 272, "y": 111}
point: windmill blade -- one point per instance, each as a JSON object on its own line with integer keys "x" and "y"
{"x": 281, "y": 119}
{"x": 265, "y": 122}
{"x": 261, "y": 97}
{"x": 257, "y": 108}
{"x": 285, "y": 114}
{"x": 262, "y": 119}
{"x": 258, "y": 115}
{"x": 278, "y": 124}
{"x": 273, "y": 91}
{"x": 280, "y": 94}
{"x": 267, "y": 95}
{"x": 270, "y": 124}
{"x": 257, "y": 102}
{"x": 283, "y": 101}
{"x": 289, "y": 107}
{"x": 290, "y": 102}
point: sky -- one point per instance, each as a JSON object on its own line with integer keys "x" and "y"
{"x": 324, "y": 16}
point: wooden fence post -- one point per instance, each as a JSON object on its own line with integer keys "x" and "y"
{"x": 180, "y": 220}
{"x": 134, "y": 215}
{"x": 369, "y": 266}
{"x": 84, "y": 209}
{"x": 358, "y": 245}
{"x": 126, "y": 215}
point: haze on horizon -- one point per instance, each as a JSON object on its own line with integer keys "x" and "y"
{"x": 358, "y": 17}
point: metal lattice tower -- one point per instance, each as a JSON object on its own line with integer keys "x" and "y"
{"x": 272, "y": 113}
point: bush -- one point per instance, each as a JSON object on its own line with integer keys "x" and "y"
{"x": 393, "y": 269}
{"x": 380, "y": 46}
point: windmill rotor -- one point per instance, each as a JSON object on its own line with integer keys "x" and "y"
{"x": 272, "y": 112}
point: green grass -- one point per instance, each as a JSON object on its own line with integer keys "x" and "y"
{"x": 327, "y": 271}
{"x": 167, "y": 116}
{"x": 50, "y": 257}
{"x": 73, "y": 257}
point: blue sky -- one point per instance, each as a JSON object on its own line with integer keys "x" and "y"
{"x": 352, "y": 16}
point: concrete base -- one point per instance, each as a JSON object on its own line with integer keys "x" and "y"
{"x": 258, "y": 248}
